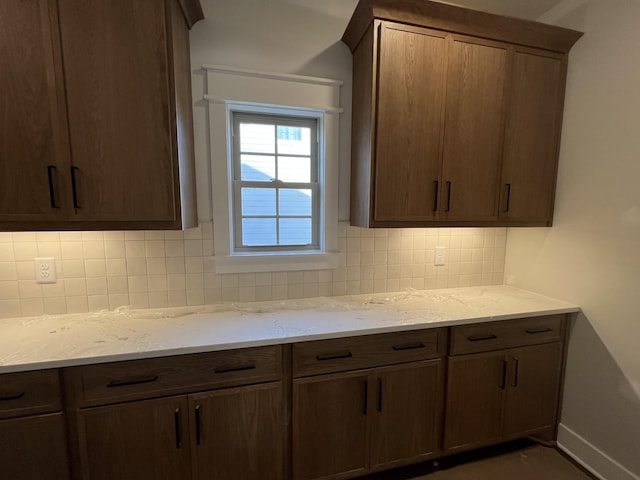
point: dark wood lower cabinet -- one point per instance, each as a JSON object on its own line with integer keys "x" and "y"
{"x": 345, "y": 425}
{"x": 34, "y": 448}
{"x": 475, "y": 391}
{"x": 330, "y": 428}
{"x": 502, "y": 395}
{"x": 136, "y": 441}
{"x": 238, "y": 433}
{"x": 407, "y": 414}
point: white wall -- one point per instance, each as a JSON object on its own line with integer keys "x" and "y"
{"x": 285, "y": 36}
{"x": 591, "y": 256}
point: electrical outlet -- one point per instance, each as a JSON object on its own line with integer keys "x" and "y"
{"x": 439, "y": 257}
{"x": 45, "y": 269}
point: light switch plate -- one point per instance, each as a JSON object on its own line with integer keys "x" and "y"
{"x": 439, "y": 257}
{"x": 45, "y": 269}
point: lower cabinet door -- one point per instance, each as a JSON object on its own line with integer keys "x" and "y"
{"x": 533, "y": 388}
{"x": 145, "y": 440}
{"x": 330, "y": 425}
{"x": 406, "y": 412}
{"x": 238, "y": 433}
{"x": 34, "y": 448}
{"x": 475, "y": 390}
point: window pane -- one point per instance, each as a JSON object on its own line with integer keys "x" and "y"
{"x": 294, "y": 140}
{"x": 295, "y": 202}
{"x": 257, "y": 168}
{"x": 258, "y": 231}
{"x": 257, "y": 138}
{"x": 295, "y": 231}
{"x": 294, "y": 169}
{"x": 258, "y": 201}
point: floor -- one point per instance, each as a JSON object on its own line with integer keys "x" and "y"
{"x": 519, "y": 461}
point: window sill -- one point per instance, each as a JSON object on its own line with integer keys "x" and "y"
{"x": 253, "y": 263}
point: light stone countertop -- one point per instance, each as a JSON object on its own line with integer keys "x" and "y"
{"x": 53, "y": 341}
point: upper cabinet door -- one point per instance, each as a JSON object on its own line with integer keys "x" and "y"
{"x": 532, "y": 137}
{"x": 473, "y": 130}
{"x": 117, "y": 66}
{"x": 33, "y": 151}
{"x": 408, "y": 138}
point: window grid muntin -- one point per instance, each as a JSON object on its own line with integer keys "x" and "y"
{"x": 238, "y": 184}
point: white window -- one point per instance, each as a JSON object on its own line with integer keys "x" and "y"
{"x": 274, "y": 166}
{"x": 276, "y": 192}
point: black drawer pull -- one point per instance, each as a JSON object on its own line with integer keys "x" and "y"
{"x": 11, "y": 396}
{"x": 74, "y": 189}
{"x": 333, "y": 356}
{"x": 409, "y": 346}
{"x": 234, "y": 369}
{"x": 52, "y": 191}
{"x": 198, "y": 439}
{"x": 479, "y": 338}
{"x": 176, "y": 420}
{"x": 539, "y": 330}
{"x": 131, "y": 381}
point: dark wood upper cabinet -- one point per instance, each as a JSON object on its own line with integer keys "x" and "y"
{"x": 33, "y": 146}
{"x": 473, "y": 130}
{"x": 113, "y": 127}
{"x": 532, "y": 137}
{"x": 437, "y": 109}
{"x": 408, "y": 145}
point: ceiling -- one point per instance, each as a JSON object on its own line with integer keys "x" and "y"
{"x": 529, "y": 9}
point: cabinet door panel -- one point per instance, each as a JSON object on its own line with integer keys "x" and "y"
{"x": 34, "y": 448}
{"x": 136, "y": 441}
{"x": 116, "y": 65}
{"x": 330, "y": 425}
{"x": 533, "y": 388}
{"x": 32, "y": 124}
{"x": 410, "y": 100}
{"x": 239, "y": 433}
{"x": 473, "y": 131}
{"x": 407, "y": 413}
{"x": 475, "y": 391}
{"x": 531, "y": 137}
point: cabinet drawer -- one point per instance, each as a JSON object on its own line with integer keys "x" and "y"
{"x": 341, "y": 354}
{"x": 132, "y": 380}
{"x": 485, "y": 337}
{"x": 29, "y": 393}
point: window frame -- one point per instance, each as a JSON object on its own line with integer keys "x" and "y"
{"x": 316, "y": 161}
{"x": 229, "y": 89}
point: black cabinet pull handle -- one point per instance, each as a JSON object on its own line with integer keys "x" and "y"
{"x": 479, "y": 338}
{"x": 507, "y": 197}
{"x": 448, "y": 209}
{"x": 366, "y": 397}
{"x": 176, "y": 418}
{"x": 503, "y": 382}
{"x": 11, "y": 396}
{"x": 197, "y": 424}
{"x": 132, "y": 381}
{"x": 333, "y": 356}
{"x": 515, "y": 374}
{"x": 52, "y": 191}
{"x": 436, "y": 185}
{"x": 379, "y": 394}
{"x": 539, "y": 330}
{"x": 234, "y": 369}
{"x": 73, "y": 187}
{"x": 409, "y": 346}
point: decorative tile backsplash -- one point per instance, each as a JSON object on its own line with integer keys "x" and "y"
{"x": 151, "y": 269}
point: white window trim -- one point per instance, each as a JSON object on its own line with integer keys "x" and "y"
{"x": 232, "y": 89}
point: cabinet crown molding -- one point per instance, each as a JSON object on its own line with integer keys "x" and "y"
{"x": 453, "y": 18}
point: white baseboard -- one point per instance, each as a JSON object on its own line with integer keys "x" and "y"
{"x": 591, "y": 457}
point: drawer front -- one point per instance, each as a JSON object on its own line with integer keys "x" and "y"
{"x": 29, "y": 393}
{"x": 486, "y": 337}
{"x": 342, "y": 354}
{"x": 138, "y": 379}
